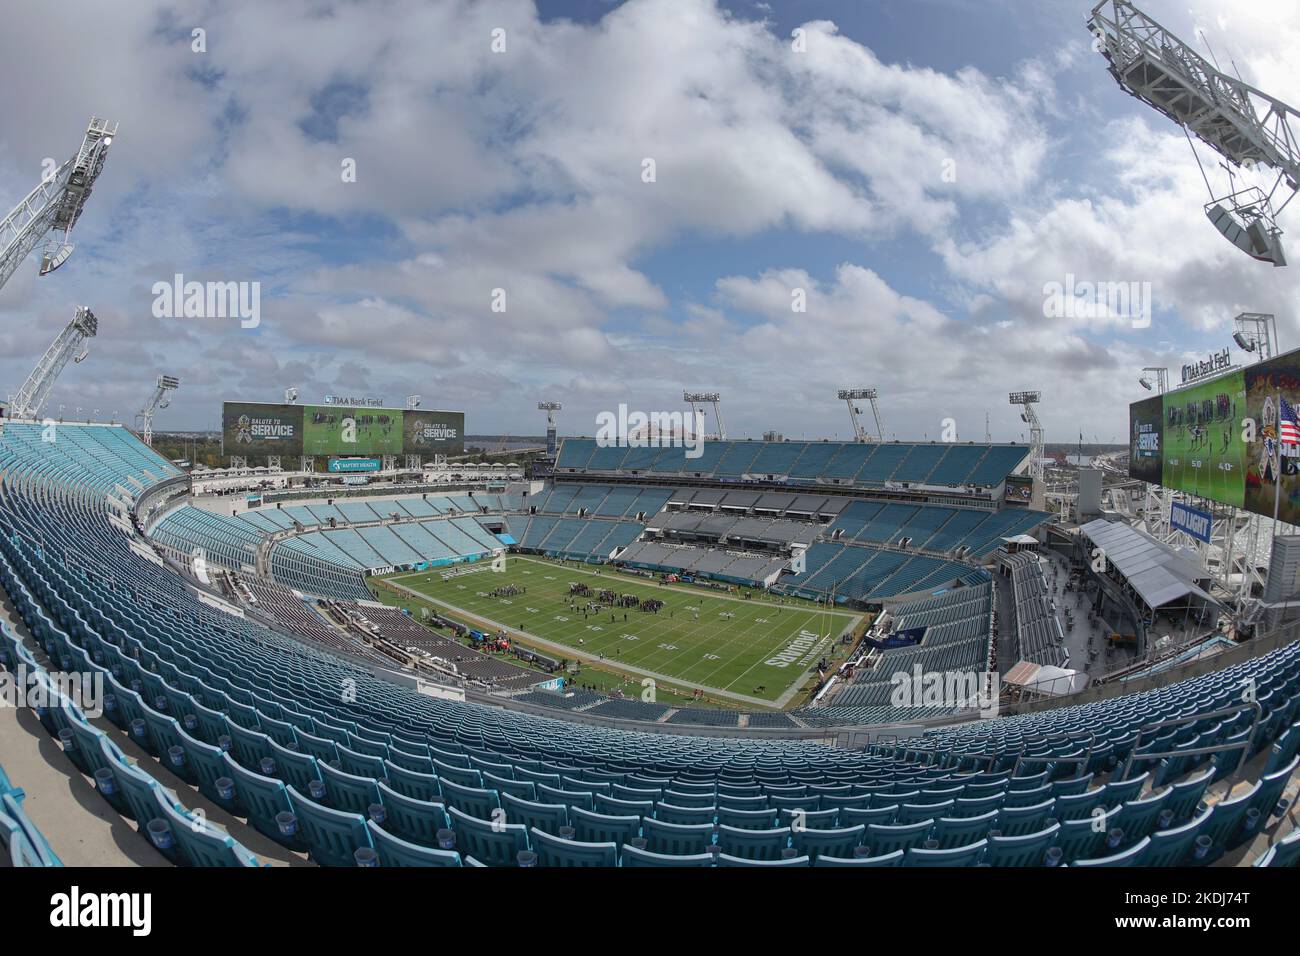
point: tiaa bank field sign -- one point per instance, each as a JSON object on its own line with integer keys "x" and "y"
{"x": 1191, "y": 521}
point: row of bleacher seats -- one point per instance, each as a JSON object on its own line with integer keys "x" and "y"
{"x": 573, "y": 539}
{"x": 21, "y": 843}
{"x": 293, "y": 614}
{"x": 258, "y": 723}
{"x": 718, "y": 563}
{"x": 798, "y": 506}
{"x": 848, "y": 463}
{"x": 932, "y": 528}
{"x": 957, "y": 634}
{"x": 1034, "y": 623}
{"x": 859, "y": 572}
{"x": 331, "y": 562}
{"x": 183, "y": 838}
{"x": 602, "y": 501}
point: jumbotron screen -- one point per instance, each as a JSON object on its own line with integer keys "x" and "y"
{"x": 257, "y": 428}
{"x": 347, "y": 430}
{"x": 1231, "y": 439}
{"x": 433, "y": 433}
{"x": 254, "y": 429}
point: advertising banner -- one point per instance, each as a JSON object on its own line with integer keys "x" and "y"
{"x": 1145, "y": 460}
{"x": 1234, "y": 439}
{"x": 258, "y": 428}
{"x": 1191, "y": 520}
{"x": 340, "y": 466}
{"x": 433, "y": 433}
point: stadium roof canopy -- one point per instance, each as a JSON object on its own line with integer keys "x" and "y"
{"x": 1158, "y": 573}
{"x": 1046, "y": 678}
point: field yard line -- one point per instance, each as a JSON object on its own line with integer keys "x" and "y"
{"x": 793, "y": 689}
{"x": 795, "y": 685}
{"x": 680, "y": 588}
{"x": 568, "y": 651}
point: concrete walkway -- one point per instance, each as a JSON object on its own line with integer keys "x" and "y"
{"x": 78, "y": 823}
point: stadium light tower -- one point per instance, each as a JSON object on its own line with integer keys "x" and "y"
{"x": 1245, "y": 126}
{"x": 55, "y": 205}
{"x": 158, "y": 401}
{"x": 68, "y": 346}
{"x": 550, "y": 408}
{"x": 1154, "y": 377}
{"x": 851, "y": 396}
{"x": 1030, "y": 417}
{"x": 696, "y": 399}
{"x": 413, "y": 402}
{"x": 1256, "y": 332}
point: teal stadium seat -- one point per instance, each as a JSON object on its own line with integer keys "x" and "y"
{"x": 394, "y": 851}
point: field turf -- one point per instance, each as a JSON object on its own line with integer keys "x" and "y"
{"x": 753, "y": 648}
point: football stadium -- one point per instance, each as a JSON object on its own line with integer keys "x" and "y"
{"x": 267, "y": 625}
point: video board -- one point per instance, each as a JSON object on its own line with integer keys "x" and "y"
{"x": 348, "y": 430}
{"x": 1146, "y": 445}
{"x": 258, "y": 428}
{"x": 433, "y": 433}
{"x": 254, "y": 429}
{"x": 1234, "y": 439}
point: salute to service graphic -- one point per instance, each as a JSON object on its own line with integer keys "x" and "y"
{"x": 252, "y": 429}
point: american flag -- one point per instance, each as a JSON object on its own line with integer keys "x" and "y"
{"x": 1288, "y": 426}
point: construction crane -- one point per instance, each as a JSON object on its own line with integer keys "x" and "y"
{"x": 1246, "y": 126}
{"x": 158, "y": 401}
{"x": 55, "y": 205}
{"x": 1037, "y": 448}
{"x": 851, "y": 396}
{"x": 68, "y": 346}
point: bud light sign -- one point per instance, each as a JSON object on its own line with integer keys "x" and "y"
{"x": 1191, "y": 521}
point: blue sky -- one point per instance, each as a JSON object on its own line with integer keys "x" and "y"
{"x": 820, "y": 171}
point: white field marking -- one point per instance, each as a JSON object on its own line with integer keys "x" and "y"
{"x": 739, "y": 636}
{"x": 686, "y": 589}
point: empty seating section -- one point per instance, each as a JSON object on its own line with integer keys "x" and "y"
{"x": 777, "y": 458}
{"x": 722, "y": 564}
{"x": 222, "y": 540}
{"x": 290, "y": 612}
{"x": 311, "y": 564}
{"x": 1035, "y": 625}
{"x": 397, "y": 628}
{"x": 257, "y": 723}
{"x": 956, "y": 632}
{"x": 331, "y": 560}
{"x": 881, "y": 466}
{"x": 862, "y": 465}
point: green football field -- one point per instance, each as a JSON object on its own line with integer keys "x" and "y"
{"x": 751, "y": 648}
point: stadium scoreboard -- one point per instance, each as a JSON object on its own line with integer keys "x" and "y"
{"x": 1234, "y": 439}
{"x": 254, "y": 429}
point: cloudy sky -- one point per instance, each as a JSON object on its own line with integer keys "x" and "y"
{"x": 916, "y": 172}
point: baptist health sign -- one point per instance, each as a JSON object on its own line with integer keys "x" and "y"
{"x": 1191, "y": 521}
{"x": 345, "y": 465}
